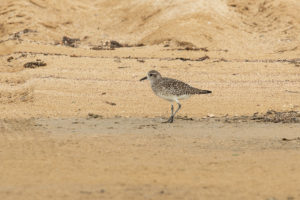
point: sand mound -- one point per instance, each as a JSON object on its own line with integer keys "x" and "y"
{"x": 269, "y": 26}
{"x": 246, "y": 26}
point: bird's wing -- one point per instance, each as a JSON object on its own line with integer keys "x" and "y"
{"x": 176, "y": 87}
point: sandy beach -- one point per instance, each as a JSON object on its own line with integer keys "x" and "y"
{"x": 76, "y": 122}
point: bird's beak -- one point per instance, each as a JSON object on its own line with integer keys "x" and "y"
{"x": 143, "y": 78}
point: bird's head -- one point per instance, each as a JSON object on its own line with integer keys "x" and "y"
{"x": 152, "y": 76}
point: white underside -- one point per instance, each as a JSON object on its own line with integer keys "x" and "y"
{"x": 174, "y": 98}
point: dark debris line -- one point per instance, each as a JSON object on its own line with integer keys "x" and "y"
{"x": 71, "y": 42}
{"x": 277, "y": 117}
{"x": 270, "y": 116}
{"x": 35, "y": 64}
{"x": 292, "y": 139}
{"x": 295, "y": 61}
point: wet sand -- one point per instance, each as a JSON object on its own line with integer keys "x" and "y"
{"x": 120, "y": 158}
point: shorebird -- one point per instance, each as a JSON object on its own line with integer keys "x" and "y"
{"x": 171, "y": 90}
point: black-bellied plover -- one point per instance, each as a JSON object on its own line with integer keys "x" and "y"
{"x": 171, "y": 90}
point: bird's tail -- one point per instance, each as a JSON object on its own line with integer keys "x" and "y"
{"x": 202, "y": 91}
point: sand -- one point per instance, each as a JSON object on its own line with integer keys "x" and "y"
{"x": 76, "y": 123}
{"x": 80, "y": 158}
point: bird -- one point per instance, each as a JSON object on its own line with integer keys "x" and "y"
{"x": 171, "y": 90}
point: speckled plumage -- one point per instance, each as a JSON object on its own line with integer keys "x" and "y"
{"x": 171, "y": 89}
{"x": 169, "y": 86}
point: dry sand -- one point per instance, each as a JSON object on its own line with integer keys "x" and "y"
{"x": 76, "y": 123}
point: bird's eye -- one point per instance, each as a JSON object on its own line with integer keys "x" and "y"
{"x": 150, "y": 74}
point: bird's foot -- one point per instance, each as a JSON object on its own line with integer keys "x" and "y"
{"x": 170, "y": 120}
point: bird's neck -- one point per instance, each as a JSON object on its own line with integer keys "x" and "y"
{"x": 153, "y": 81}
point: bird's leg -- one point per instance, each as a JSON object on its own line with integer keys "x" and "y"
{"x": 179, "y": 106}
{"x": 170, "y": 120}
